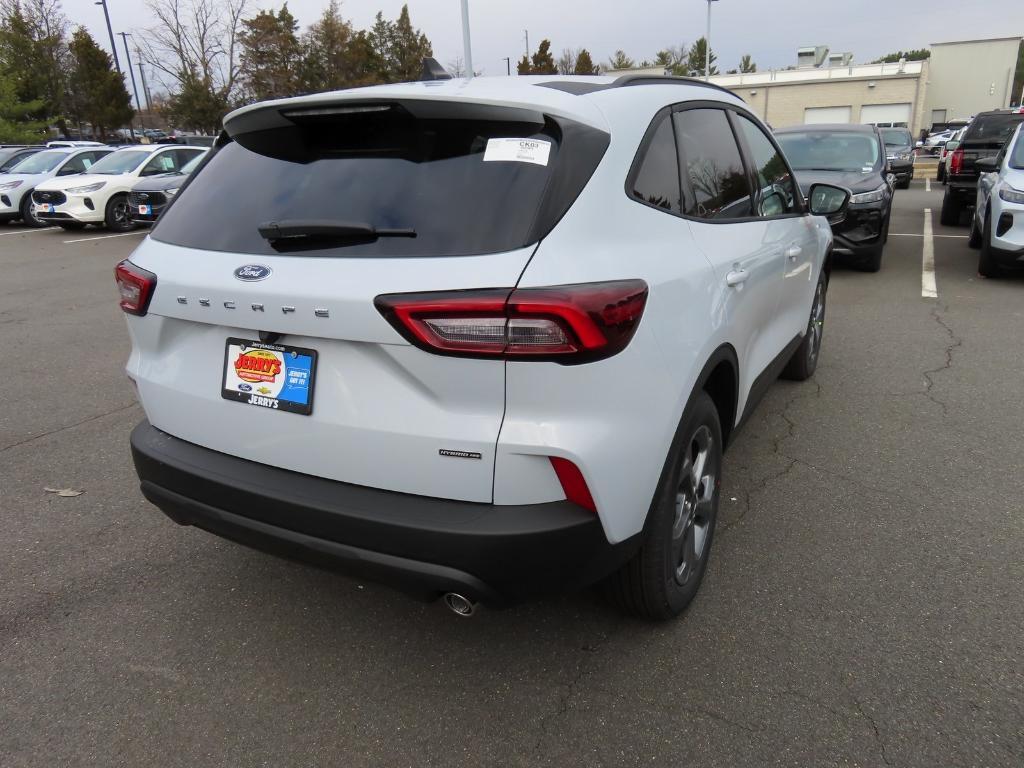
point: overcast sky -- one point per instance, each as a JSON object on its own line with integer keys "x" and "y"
{"x": 769, "y": 31}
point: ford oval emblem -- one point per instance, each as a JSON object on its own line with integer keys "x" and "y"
{"x": 253, "y": 272}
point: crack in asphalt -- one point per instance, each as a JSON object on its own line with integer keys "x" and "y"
{"x": 68, "y": 426}
{"x": 762, "y": 483}
{"x": 956, "y": 342}
{"x": 874, "y": 727}
{"x": 570, "y": 688}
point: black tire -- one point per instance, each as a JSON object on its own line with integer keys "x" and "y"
{"x": 664, "y": 576}
{"x": 905, "y": 184}
{"x": 974, "y": 239}
{"x": 987, "y": 266}
{"x": 804, "y": 362}
{"x": 950, "y": 216}
{"x": 27, "y": 217}
{"x": 73, "y": 226}
{"x": 116, "y": 216}
{"x": 940, "y": 174}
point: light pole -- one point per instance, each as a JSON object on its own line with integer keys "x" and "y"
{"x": 128, "y": 62}
{"x": 707, "y": 45}
{"x": 466, "y": 44}
{"x": 508, "y": 66}
{"x": 142, "y": 76}
{"x": 110, "y": 31}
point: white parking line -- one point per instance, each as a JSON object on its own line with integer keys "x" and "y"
{"x": 928, "y": 287}
{"x": 28, "y": 231}
{"x": 927, "y": 184}
{"x": 102, "y": 237}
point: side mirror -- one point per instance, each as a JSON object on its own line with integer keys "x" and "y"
{"x": 987, "y": 164}
{"x": 827, "y": 200}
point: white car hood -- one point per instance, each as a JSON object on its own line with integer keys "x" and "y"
{"x": 1013, "y": 177}
{"x": 28, "y": 180}
{"x": 122, "y": 181}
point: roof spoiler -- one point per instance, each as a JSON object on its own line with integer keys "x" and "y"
{"x": 432, "y": 70}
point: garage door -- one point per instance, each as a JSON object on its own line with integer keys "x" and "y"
{"x": 818, "y": 115}
{"x": 886, "y": 115}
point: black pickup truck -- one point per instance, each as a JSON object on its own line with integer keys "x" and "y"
{"x": 984, "y": 137}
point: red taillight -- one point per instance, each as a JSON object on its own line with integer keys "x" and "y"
{"x": 136, "y": 287}
{"x": 573, "y": 484}
{"x": 956, "y": 161}
{"x": 564, "y": 323}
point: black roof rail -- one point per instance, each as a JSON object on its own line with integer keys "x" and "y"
{"x": 627, "y": 80}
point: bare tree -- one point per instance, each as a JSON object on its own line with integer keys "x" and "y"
{"x": 567, "y": 61}
{"x": 196, "y": 41}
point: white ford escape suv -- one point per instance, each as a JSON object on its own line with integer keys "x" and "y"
{"x": 481, "y": 339}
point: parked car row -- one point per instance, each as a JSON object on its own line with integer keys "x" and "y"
{"x": 89, "y": 183}
{"x": 985, "y": 178}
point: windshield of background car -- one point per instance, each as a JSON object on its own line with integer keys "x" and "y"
{"x": 190, "y": 166}
{"x": 123, "y": 161}
{"x": 897, "y": 137}
{"x": 464, "y": 186}
{"x": 40, "y": 162}
{"x": 993, "y": 128}
{"x": 830, "y": 151}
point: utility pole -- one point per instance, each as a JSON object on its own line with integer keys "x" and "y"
{"x": 110, "y": 31}
{"x": 466, "y": 43}
{"x": 526, "y": 33}
{"x": 128, "y": 62}
{"x": 508, "y": 66}
{"x": 145, "y": 86}
{"x": 707, "y": 46}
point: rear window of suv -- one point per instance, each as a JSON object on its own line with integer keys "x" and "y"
{"x": 451, "y": 187}
{"x": 993, "y": 128}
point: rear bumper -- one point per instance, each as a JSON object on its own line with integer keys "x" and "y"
{"x": 493, "y": 554}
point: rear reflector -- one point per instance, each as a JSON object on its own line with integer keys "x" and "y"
{"x": 565, "y": 323}
{"x": 573, "y": 484}
{"x": 136, "y": 286}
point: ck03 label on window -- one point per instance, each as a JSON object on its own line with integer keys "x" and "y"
{"x": 279, "y": 378}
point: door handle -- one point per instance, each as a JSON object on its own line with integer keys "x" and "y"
{"x": 793, "y": 251}
{"x": 736, "y": 277}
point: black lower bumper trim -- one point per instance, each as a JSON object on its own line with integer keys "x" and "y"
{"x": 494, "y": 554}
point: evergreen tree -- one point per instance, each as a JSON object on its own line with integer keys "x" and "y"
{"x": 34, "y": 53}
{"x": 16, "y": 123}
{"x": 327, "y": 53}
{"x": 918, "y": 54}
{"x": 747, "y": 64}
{"x": 270, "y": 56}
{"x": 409, "y": 47}
{"x": 542, "y": 62}
{"x": 674, "y": 59}
{"x": 197, "y": 105}
{"x": 585, "y": 64}
{"x": 96, "y": 92}
{"x": 621, "y": 61}
{"x": 696, "y": 60}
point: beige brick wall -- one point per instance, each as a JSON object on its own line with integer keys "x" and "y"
{"x": 783, "y": 105}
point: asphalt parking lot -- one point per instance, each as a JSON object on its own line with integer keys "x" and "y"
{"x": 863, "y": 605}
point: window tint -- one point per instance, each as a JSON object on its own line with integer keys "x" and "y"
{"x": 465, "y": 186}
{"x": 77, "y": 164}
{"x": 162, "y": 162}
{"x": 993, "y": 128}
{"x": 776, "y": 191}
{"x": 657, "y": 180}
{"x": 712, "y": 168}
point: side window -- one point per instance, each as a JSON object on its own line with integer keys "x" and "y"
{"x": 776, "y": 190}
{"x": 76, "y": 164}
{"x": 163, "y": 162}
{"x": 713, "y": 171}
{"x": 656, "y": 181}
{"x": 185, "y": 156}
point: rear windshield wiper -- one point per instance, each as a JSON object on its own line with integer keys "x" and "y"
{"x": 323, "y": 229}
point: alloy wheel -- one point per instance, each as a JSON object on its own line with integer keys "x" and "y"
{"x": 695, "y": 504}
{"x": 816, "y": 327}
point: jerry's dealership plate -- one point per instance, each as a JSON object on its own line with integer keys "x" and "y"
{"x": 269, "y": 375}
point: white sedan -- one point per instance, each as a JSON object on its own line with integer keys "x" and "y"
{"x": 101, "y": 195}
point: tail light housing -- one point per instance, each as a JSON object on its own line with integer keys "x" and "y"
{"x": 136, "y": 286}
{"x": 565, "y": 323}
{"x": 956, "y": 161}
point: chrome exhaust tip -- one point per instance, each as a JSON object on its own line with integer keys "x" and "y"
{"x": 460, "y": 605}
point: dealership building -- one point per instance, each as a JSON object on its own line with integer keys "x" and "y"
{"x": 960, "y": 79}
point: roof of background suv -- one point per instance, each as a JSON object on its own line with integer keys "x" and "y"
{"x": 826, "y": 127}
{"x": 596, "y": 101}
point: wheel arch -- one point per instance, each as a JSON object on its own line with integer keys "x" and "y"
{"x": 720, "y": 379}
